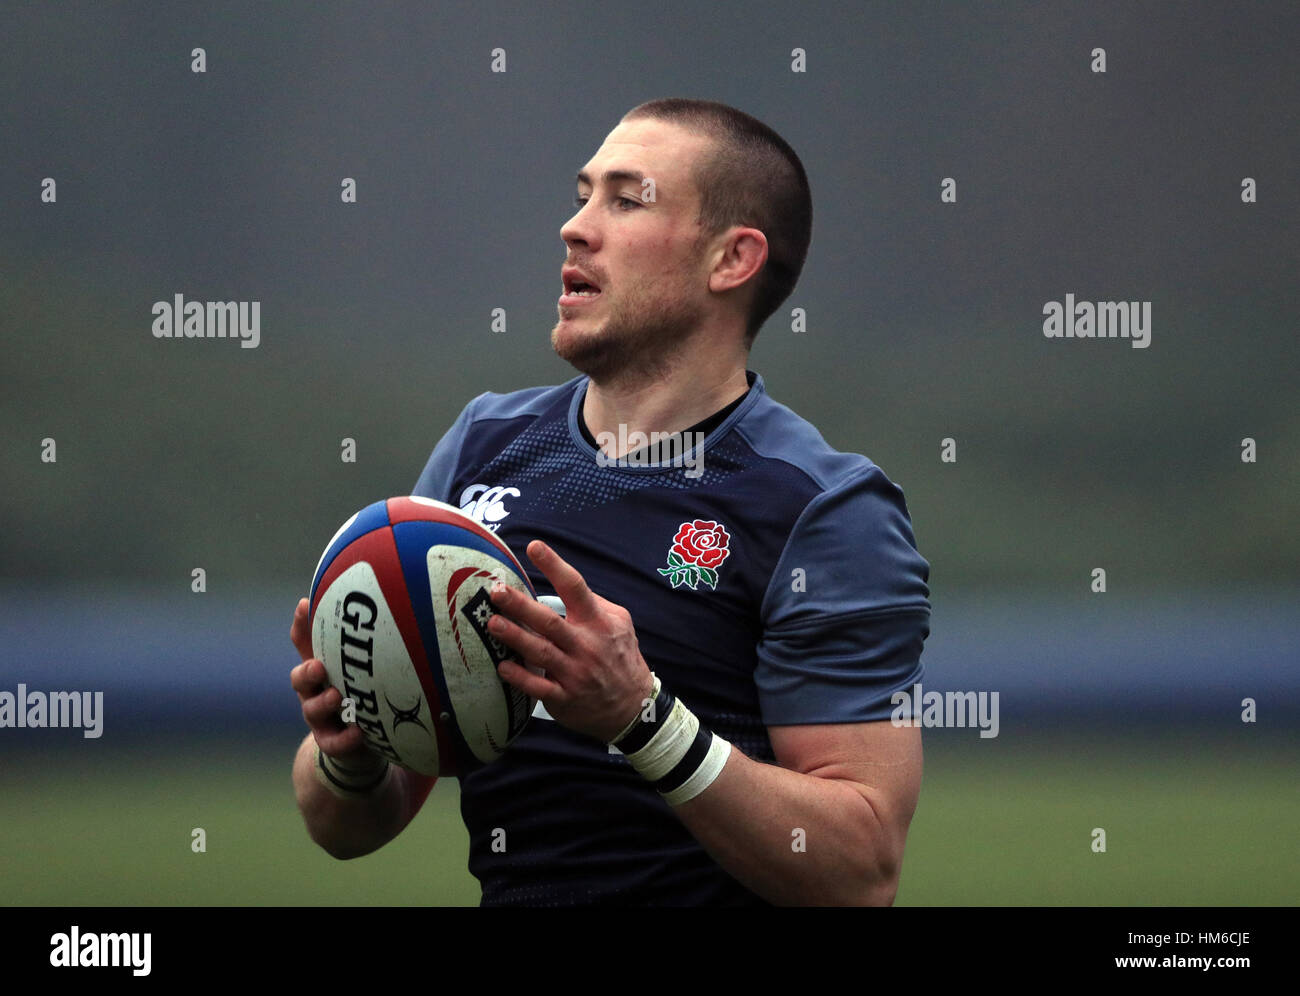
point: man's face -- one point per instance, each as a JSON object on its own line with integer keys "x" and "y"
{"x": 645, "y": 257}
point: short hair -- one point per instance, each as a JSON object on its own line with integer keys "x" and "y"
{"x": 753, "y": 178}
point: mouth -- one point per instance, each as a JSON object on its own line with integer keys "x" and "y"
{"x": 575, "y": 298}
{"x": 577, "y": 290}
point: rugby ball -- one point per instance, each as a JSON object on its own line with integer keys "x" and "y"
{"x": 399, "y": 612}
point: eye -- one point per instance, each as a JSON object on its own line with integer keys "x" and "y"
{"x": 625, "y": 203}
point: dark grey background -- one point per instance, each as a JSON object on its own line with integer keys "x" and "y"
{"x": 924, "y": 319}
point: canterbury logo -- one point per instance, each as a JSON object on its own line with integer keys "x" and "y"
{"x": 485, "y": 504}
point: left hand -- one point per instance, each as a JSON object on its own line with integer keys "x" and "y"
{"x": 596, "y": 680}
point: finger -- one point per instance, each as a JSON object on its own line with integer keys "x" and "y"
{"x": 300, "y": 631}
{"x": 346, "y": 744}
{"x": 541, "y": 619}
{"x": 565, "y": 579}
{"x": 323, "y": 710}
{"x": 308, "y": 679}
{"x": 535, "y": 649}
{"x": 529, "y": 682}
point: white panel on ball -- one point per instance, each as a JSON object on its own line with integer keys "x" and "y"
{"x": 354, "y": 620}
{"x": 488, "y": 712}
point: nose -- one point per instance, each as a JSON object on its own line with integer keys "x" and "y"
{"x": 579, "y": 230}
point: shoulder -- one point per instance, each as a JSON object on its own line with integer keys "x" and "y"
{"x": 846, "y": 609}
{"x": 775, "y": 432}
{"x": 484, "y": 427}
{"x": 851, "y": 535}
{"x": 529, "y": 401}
{"x": 842, "y": 500}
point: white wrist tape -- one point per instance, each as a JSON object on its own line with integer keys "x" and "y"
{"x": 348, "y": 782}
{"x": 673, "y": 750}
{"x": 636, "y": 720}
{"x": 667, "y": 748}
{"x": 714, "y": 760}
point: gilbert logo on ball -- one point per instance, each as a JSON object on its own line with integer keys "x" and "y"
{"x": 399, "y": 612}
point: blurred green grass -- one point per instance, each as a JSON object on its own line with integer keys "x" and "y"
{"x": 999, "y": 823}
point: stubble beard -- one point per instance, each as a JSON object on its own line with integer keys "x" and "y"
{"x": 638, "y": 341}
{"x": 642, "y": 337}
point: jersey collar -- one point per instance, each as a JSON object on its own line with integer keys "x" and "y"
{"x": 756, "y": 391}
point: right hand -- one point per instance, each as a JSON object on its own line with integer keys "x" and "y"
{"x": 321, "y": 701}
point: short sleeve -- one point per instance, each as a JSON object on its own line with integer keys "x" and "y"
{"x": 847, "y": 610}
{"x": 436, "y": 479}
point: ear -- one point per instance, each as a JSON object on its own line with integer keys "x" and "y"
{"x": 742, "y": 253}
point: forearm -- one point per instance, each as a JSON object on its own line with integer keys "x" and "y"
{"x": 350, "y": 828}
{"x": 795, "y": 839}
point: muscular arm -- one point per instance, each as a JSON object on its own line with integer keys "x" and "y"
{"x": 827, "y": 826}
{"x": 347, "y": 828}
{"x": 852, "y": 788}
{"x": 833, "y": 651}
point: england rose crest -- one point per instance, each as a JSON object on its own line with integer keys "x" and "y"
{"x": 697, "y": 551}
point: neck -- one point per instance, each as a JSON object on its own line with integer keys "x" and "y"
{"x": 680, "y": 394}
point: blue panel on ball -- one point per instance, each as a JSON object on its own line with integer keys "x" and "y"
{"x": 368, "y": 519}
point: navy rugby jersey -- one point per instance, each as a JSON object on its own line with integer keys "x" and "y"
{"x": 772, "y": 581}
